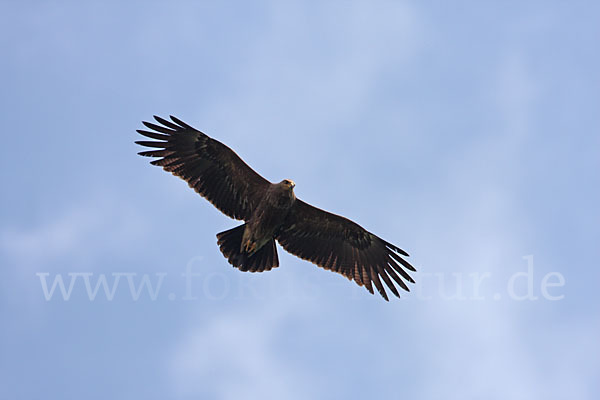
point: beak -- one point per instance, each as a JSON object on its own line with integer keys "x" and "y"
{"x": 293, "y": 185}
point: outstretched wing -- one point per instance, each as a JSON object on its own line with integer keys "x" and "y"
{"x": 209, "y": 167}
{"x": 338, "y": 244}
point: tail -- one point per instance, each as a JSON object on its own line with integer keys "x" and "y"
{"x": 263, "y": 260}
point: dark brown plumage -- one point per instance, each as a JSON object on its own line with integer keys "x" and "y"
{"x": 272, "y": 213}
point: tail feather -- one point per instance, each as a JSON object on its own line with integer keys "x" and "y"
{"x": 263, "y": 260}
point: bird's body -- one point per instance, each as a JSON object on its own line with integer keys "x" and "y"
{"x": 268, "y": 217}
{"x": 271, "y": 213}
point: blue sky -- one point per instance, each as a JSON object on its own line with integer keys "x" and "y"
{"x": 465, "y": 132}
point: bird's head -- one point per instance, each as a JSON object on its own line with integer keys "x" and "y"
{"x": 288, "y": 184}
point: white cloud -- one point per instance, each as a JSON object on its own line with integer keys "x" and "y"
{"x": 98, "y": 224}
{"x": 309, "y": 69}
{"x": 232, "y": 358}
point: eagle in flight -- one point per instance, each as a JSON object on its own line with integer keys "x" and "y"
{"x": 272, "y": 213}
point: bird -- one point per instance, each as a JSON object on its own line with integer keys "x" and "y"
{"x": 271, "y": 213}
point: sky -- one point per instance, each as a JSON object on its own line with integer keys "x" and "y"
{"x": 467, "y": 133}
